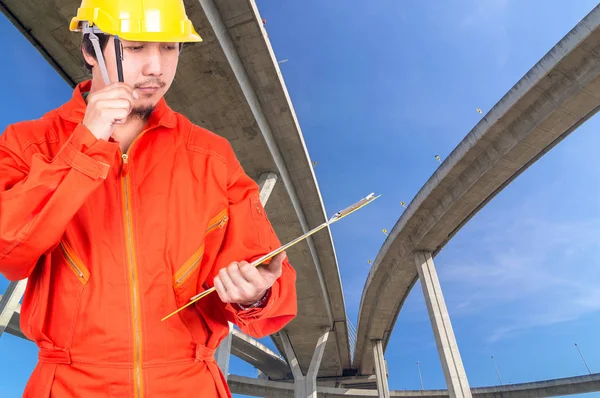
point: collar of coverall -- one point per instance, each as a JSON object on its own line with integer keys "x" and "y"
{"x": 74, "y": 109}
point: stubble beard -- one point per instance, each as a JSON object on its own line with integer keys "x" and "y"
{"x": 142, "y": 112}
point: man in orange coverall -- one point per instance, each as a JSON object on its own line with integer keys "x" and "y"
{"x": 118, "y": 210}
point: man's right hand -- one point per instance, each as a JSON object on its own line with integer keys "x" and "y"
{"x": 108, "y": 107}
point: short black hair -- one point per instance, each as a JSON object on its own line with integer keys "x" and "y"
{"x": 89, "y": 47}
{"x": 103, "y": 39}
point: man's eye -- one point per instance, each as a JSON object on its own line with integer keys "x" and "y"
{"x": 135, "y": 48}
{"x": 170, "y": 48}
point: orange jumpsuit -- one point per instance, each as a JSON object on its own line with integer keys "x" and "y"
{"x": 112, "y": 242}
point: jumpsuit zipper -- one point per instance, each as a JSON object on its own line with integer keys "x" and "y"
{"x": 71, "y": 263}
{"x": 192, "y": 266}
{"x": 138, "y": 387}
{"x": 74, "y": 262}
{"x": 219, "y": 224}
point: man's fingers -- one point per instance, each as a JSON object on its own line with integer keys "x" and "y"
{"x": 114, "y": 91}
{"x": 118, "y": 103}
{"x": 111, "y": 92}
{"x": 251, "y": 274}
{"x": 221, "y": 291}
{"x": 117, "y": 115}
{"x": 118, "y": 86}
{"x": 240, "y": 280}
{"x": 232, "y": 290}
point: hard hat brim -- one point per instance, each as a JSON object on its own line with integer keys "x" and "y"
{"x": 129, "y": 31}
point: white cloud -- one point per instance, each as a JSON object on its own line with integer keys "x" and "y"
{"x": 534, "y": 273}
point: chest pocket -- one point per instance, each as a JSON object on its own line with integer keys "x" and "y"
{"x": 185, "y": 280}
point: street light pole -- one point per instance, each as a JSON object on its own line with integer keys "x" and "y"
{"x": 586, "y": 365}
{"x": 497, "y": 372}
{"x": 420, "y": 377}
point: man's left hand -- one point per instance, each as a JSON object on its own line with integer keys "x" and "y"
{"x": 244, "y": 284}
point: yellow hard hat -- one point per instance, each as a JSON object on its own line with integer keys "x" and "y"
{"x": 138, "y": 20}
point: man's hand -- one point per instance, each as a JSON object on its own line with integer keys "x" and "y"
{"x": 244, "y": 284}
{"x": 107, "y": 107}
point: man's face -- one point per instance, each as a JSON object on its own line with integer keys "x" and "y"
{"x": 148, "y": 67}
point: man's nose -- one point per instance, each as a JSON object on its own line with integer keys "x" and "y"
{"x": 153, "y": 63}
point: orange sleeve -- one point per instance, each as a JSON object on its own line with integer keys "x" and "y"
{"x": 249, "y": 235}
{"x": 38, "y": 198}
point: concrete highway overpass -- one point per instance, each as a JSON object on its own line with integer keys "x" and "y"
{"x": 232, "y": 85}
{"x": 546, "y": 388}
{"x": 268, "y": 361}
{"x": 551, "y": 101}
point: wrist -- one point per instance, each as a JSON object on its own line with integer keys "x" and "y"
{"x": 260, "y": 303}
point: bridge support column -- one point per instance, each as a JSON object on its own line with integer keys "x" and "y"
{"x": 266, "y": 183}
{"x": 223, "y": 352}
{"x": 454, "y": 372}
{"x": 305, "y": 386}
{"x": 381, "y": 372}
{"x": 10, "y": 302}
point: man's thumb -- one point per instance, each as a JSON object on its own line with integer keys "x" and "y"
{"x": 277, "y": 261}
{"x": 280, "y": 257}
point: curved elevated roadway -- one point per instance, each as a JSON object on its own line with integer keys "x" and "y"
{"x": 546, "y": 388}
{"x": 231, "y": 84}
{"x": 555, "y": 97}
{"x": 268, "y": 388}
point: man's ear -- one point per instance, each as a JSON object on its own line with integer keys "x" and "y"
{"x": 88, "y": 57}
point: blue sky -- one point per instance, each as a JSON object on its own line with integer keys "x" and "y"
{"x": 391, "y": 84}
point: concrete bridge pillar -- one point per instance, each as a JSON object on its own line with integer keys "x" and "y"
{"x": 223, "y": 353}
{"x": 454, "y": 372}
{"x": 381, "y": 372}
{"x": 305, "y": 386}
{"x": 10, "y": 302}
